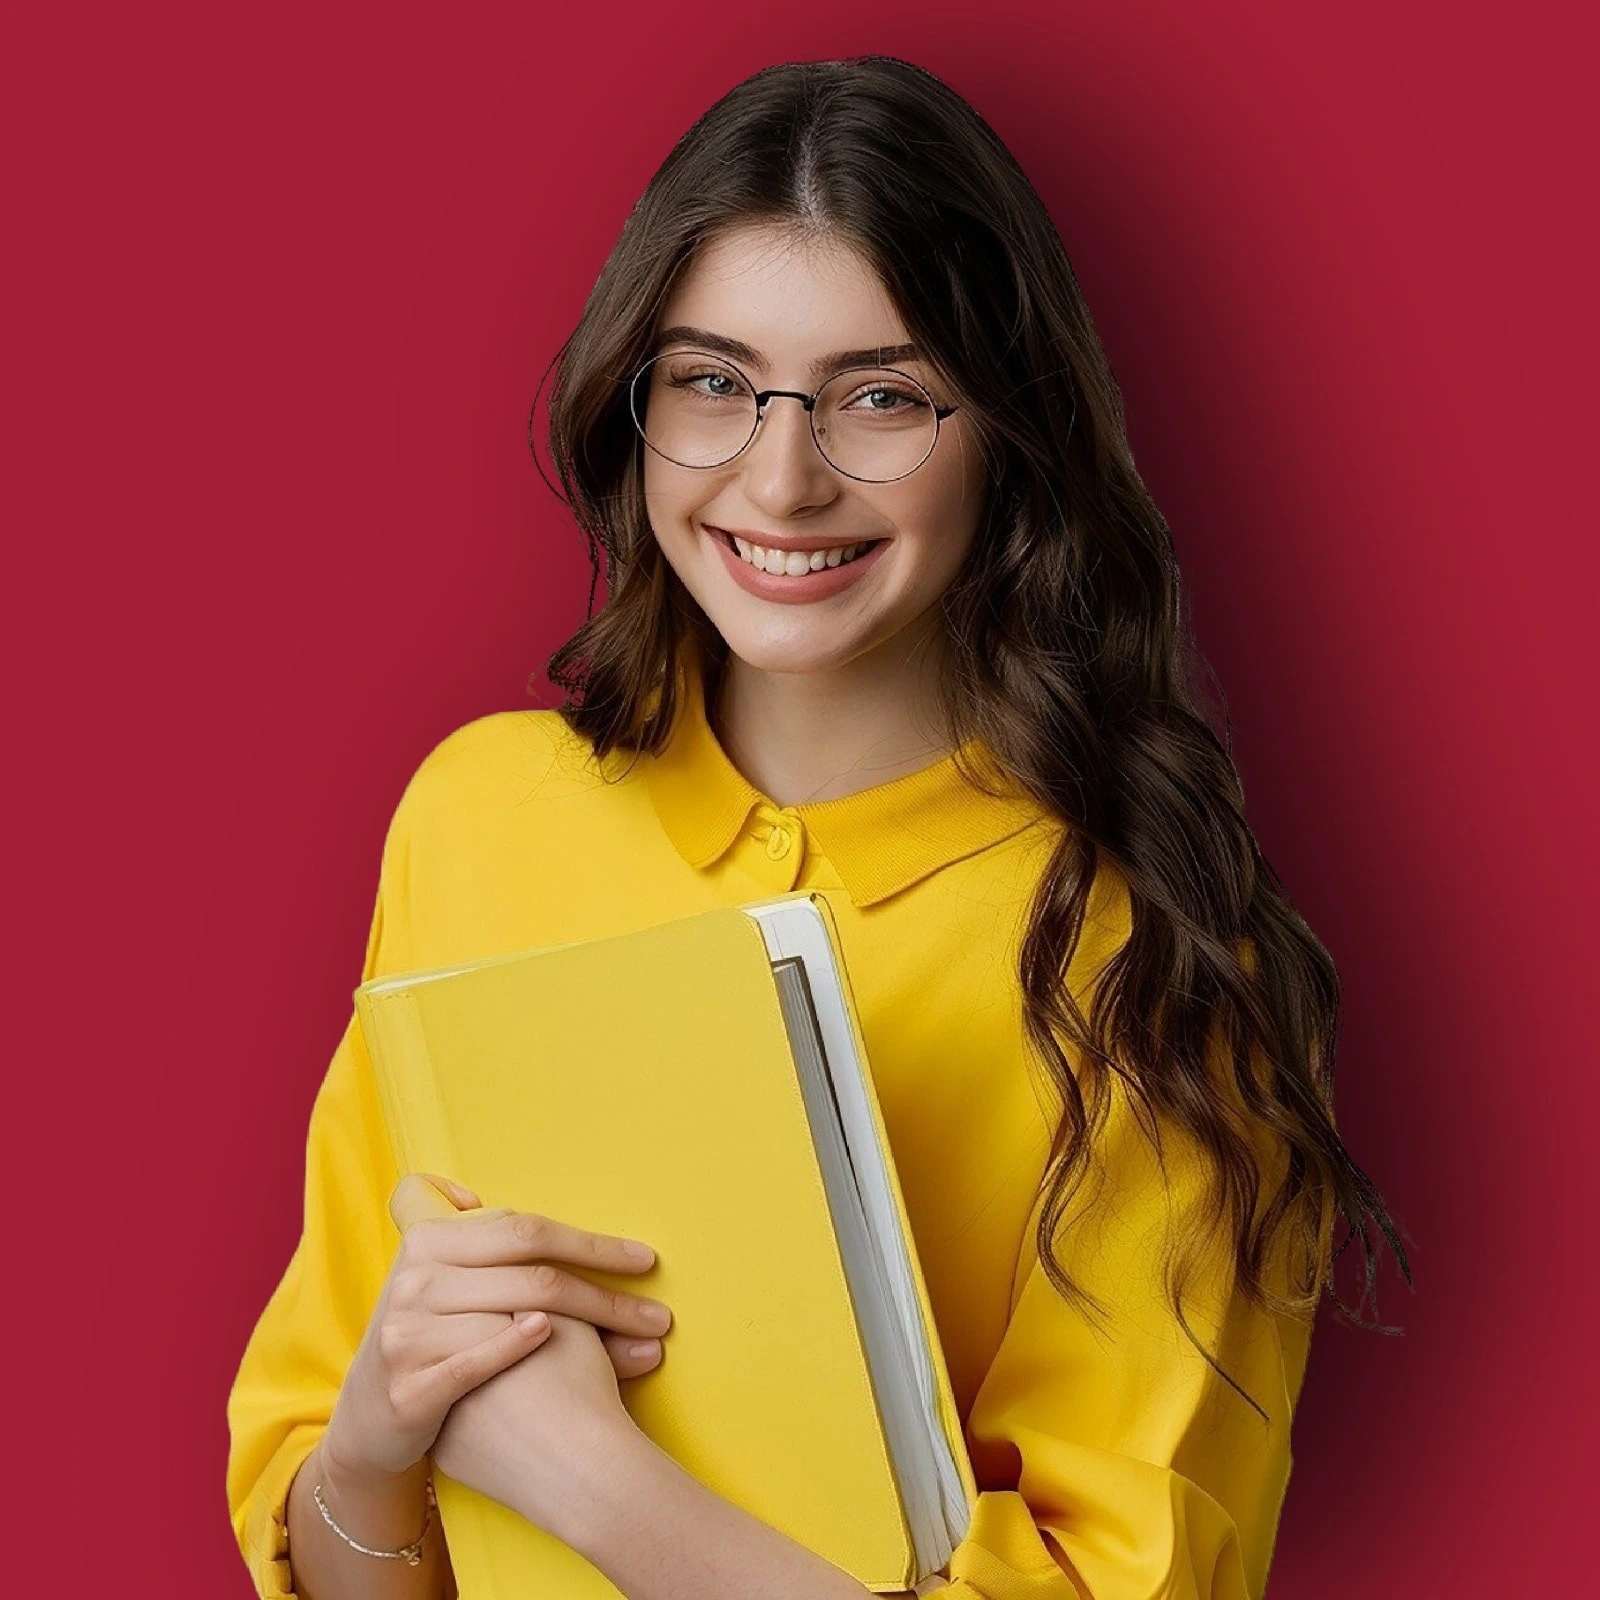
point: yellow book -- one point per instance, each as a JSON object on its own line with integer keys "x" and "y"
{"x": 701, "y": 1084}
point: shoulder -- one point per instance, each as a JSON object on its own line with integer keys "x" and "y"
{"x": 499, "y": 744}
{"x": 494, "y": 762}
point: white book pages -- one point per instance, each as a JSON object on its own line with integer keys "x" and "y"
{"x": 872, "y": 1243}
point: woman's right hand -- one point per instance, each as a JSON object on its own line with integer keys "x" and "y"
{"x": 432, "y": 1336}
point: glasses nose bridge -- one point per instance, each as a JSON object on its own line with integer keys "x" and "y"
{"x": 809, "y": 401}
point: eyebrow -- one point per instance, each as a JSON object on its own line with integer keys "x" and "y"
{"x": 882, "y": 355}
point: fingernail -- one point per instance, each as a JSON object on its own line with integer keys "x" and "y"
{"x": 640, "y": 1252}
{"x": 645, "y": 1347}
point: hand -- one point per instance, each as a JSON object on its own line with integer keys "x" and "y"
{"x": 531, "y": 1435}
{"x": 444, "y": 1321}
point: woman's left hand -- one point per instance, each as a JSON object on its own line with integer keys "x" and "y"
{"x": 530, "y": 1435}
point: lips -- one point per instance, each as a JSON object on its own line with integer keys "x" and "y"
{"x": 819, "y": 585}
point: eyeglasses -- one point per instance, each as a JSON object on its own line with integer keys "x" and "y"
{"x": 874, "y": 424}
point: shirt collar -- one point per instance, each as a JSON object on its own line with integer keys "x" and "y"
{"x": 881, "y": 840}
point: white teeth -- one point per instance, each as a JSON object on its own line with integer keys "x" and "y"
{"x": 794, "y": 563}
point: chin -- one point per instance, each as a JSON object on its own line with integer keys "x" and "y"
{"x": 794, "y": 657}
{"x": 795, "y": 649}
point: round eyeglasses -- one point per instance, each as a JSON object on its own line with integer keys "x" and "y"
{"x": 874, "y": 424}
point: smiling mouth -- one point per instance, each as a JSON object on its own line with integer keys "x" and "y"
{"x": 793, "y": 563}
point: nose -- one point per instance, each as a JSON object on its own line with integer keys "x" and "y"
{"x": 782, "y": 464}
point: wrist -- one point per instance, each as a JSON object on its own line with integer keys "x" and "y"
{"x": 598, "y": 1477}
{"x": 377, "y": 1507}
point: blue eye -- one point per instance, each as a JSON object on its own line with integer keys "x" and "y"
{"x": 692, "y": 382}
{"x": 908, "y": 402}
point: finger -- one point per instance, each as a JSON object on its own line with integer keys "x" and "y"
{"x": 430, "y": 1391}
{"x": 490, "y": 1238}
{"x": 543, "y": 1287}
{"x": 422, "y": 1340}
{"x": 632, "y": 1357}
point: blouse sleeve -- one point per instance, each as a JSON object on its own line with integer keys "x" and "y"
{"x": 1114, "y": 1463}
{"x": 296, "y": 1358}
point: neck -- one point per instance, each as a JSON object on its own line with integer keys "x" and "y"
{"x": 805, "y": 736}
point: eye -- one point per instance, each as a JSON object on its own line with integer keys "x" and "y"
{"x": 687, "y": 380}
{"x": 698, "y": 376}
{"x": 886, "y": 400}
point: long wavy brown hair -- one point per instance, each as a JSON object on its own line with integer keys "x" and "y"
{"x": 1073, "y": 658}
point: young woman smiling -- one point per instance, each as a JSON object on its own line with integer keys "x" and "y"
{"x": 890, "y": 616}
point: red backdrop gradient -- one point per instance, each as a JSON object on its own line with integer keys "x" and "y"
{"x": 282, "y": 282}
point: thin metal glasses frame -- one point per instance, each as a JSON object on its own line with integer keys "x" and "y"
{"x": 809, "y": 401}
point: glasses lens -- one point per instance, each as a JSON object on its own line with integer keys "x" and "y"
{"x": 693, "y": 408}
{"x": 875, "y": 423}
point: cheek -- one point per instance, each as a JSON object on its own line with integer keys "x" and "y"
{"x": 655, "y": 496}
{"x": 941, "y": 530}
{"x": 669, "y": 504}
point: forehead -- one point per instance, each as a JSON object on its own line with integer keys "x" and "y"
{"x": 787, "y": 296}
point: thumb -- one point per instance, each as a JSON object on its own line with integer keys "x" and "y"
{"x": 464, "y": 1198}
{"x": 419, "y": 1195}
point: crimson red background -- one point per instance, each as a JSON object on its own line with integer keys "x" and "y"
{"x": 281, "y": 285}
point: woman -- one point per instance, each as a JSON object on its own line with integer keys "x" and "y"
{"x": 890, "y": 616}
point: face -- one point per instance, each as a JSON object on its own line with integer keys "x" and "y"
{"x": 794, "y": 303}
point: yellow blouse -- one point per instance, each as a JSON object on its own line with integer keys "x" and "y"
{"x": 1113, "y": 1465}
